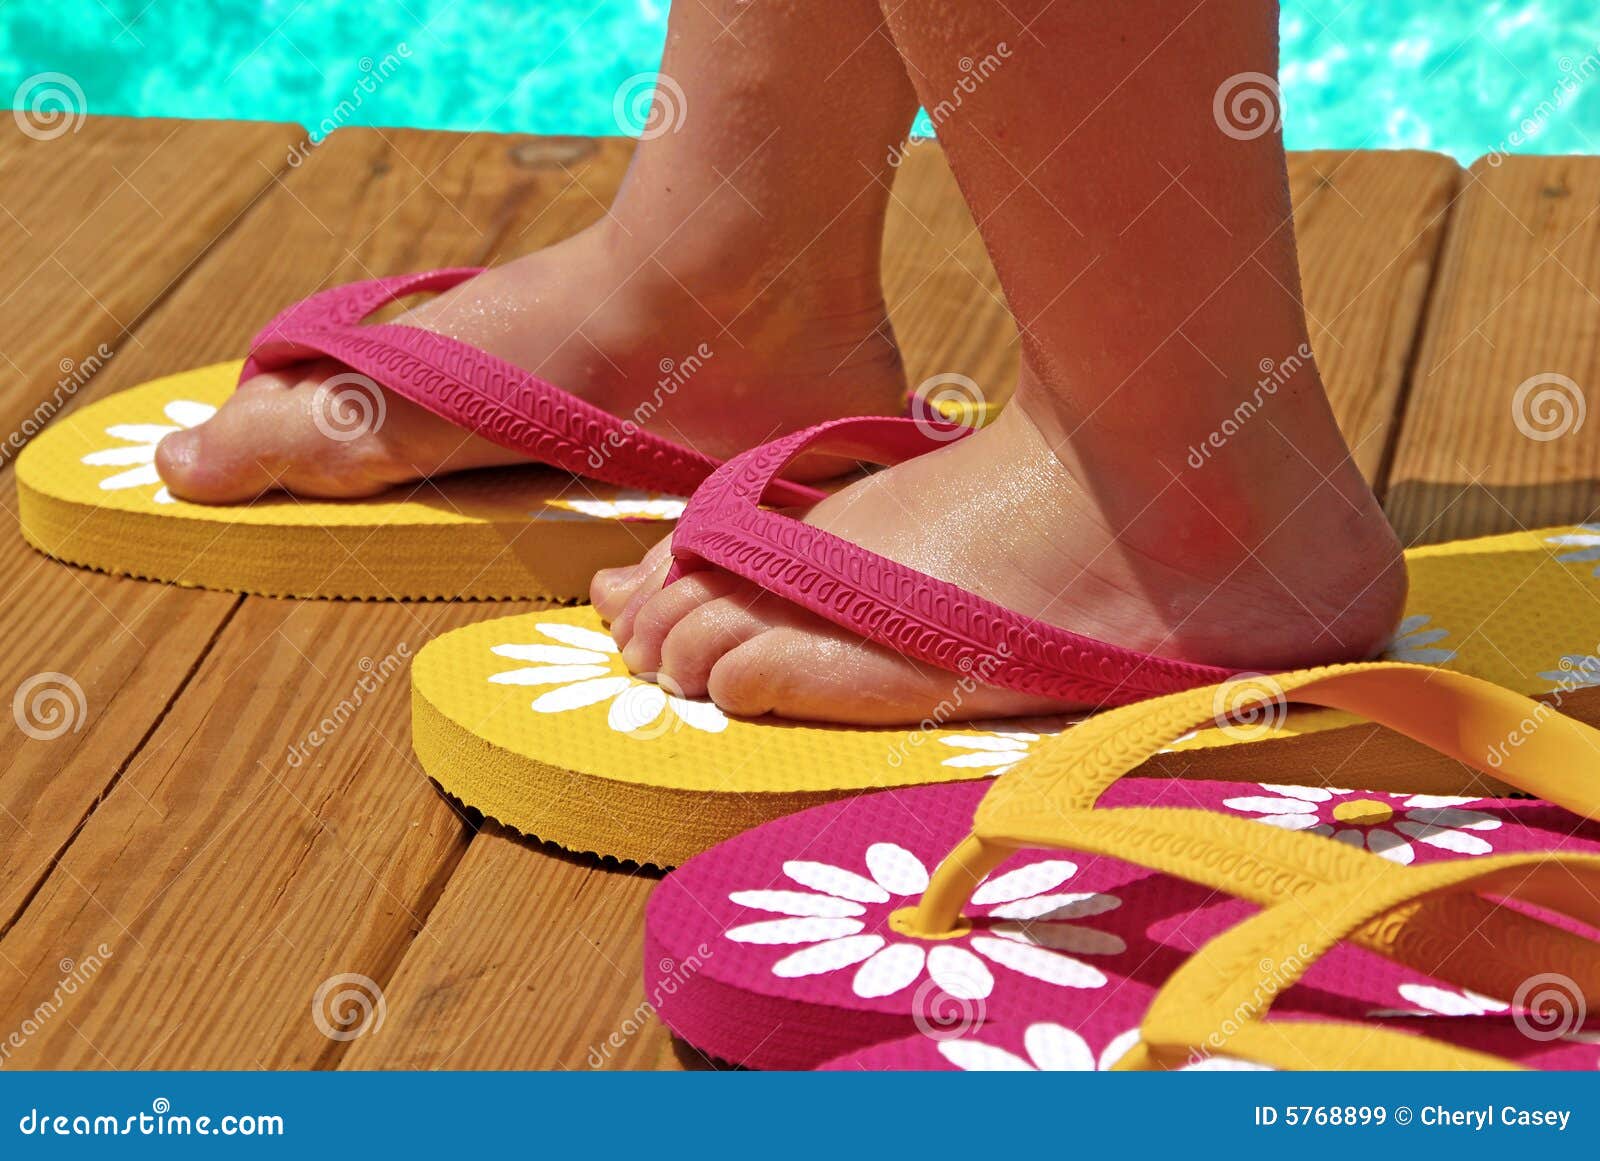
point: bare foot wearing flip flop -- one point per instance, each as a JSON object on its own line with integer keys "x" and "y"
{"x": 1169, "y": 476}
{"x": 727, "y": 245}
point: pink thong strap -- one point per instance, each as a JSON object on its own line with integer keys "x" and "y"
{"x": 917, "y": 615}
{"x": 477, "y": 391}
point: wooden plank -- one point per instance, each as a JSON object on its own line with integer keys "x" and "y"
{"x": 239, "y": 862}
{"x": 1369, "y": 227}
{"x": 551, "y": 982}
{"x": 1518, "y": 301}
{"x": 944, "y": 300}
{"x": 226, "y": 880}
{"x": 96, "y": 226}
{"x": 554, "y": 980}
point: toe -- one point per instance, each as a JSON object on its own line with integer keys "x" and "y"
{"x": 277, "y": 433}
{"x": 648, "y": 582}
{"x": 612, "y": 588}
{"x": 698, "y": 641}
{"x": 660, "y": 614}
{"x": 221, "y": 461}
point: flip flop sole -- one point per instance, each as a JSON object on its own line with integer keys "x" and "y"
{"x": 88, "y": 495}
{"x": 535, "y": 721}
{"x": 616, "y": 767}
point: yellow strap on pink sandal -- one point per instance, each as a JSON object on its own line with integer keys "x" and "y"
{"x": 1524, "y": 743}
{"x": 1049, "y": 801}
{"x": 1215, "y": 1003}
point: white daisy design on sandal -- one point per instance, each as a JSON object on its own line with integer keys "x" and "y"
{"x": 1427, "y": 1000}
{"x": 139, "y": 453}
{"x": 999, "y": 747}
{"x": 631, "y": 504}
{"x": 1574, "y": 671}
{"x": 1049, "y": 1048}
{"x": 585, "y": 668}
{"x": 1413, "y": 642}
{"x": 1023, "y": 927}
{"x": 1385, "y": 824}
{"x": 1057, "y": 1048}
{"x": 1585, "y": 540}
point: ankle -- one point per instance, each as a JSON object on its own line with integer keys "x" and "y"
{"x": 1270, "y": 564}
{"x": 742, "y": 270}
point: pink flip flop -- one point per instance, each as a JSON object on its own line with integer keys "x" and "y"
{"x": 479, "y": 392}
{"x": 917, "y": 615}
{"x": 598, "y": 490}
{"x": 1061, "y": 917}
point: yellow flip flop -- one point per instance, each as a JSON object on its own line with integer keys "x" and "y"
{"x": 605, "y": 491}
{"x": 602, "y": 492}
{"x": 89, "y": 495}
{"x": 534, "y": 720}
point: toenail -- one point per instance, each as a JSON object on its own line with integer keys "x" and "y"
{"x": 633, "y": 656}
{"x": 612, "y": 579}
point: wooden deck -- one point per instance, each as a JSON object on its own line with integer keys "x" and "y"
{"x": 211, "y": 887}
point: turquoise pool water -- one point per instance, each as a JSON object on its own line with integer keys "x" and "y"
{"x": 1462, "y": 76}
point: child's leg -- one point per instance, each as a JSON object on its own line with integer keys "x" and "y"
{"x": 753, "y": 227}
{"x": 1148, "y": 254}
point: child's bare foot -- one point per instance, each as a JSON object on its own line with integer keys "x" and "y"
{"x": 1003, "y": 515}
{"x": 595, "y": 316}
{"x": 739, "y": 262}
